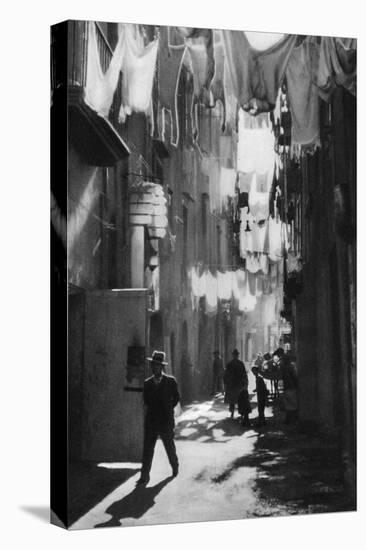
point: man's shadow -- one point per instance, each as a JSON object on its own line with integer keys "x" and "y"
{"x": 135, "y": 504}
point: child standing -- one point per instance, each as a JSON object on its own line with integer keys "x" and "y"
{"x": 261, "y": 390}
{"x": 244, "y": 407}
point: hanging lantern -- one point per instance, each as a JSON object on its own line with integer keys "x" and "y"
{"x": 141, "y": 204}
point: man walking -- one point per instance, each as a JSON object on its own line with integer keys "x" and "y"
{"x": 160, "y": 397}
{"x": 235, "y": 378}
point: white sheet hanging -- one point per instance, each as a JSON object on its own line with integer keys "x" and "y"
{"x": 202, "y": 285}
{"x": 224, "y": 285}
{"x": 247, "y": 302}
{"x": 255, "y": 146}
{"x": 211, "y": 294}
{"x": 138, "y": 68}
{"x": 275, "y": 239}
{"x": 100, "y": 87}
{"x": 252, "y": 263}
{"x": 227, "y": 184}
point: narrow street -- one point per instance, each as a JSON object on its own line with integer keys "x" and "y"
{"x": 210, "y": 225}
{"x": 226, "y": 471}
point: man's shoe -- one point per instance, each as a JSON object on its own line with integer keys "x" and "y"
{"x": 143, "y": 481}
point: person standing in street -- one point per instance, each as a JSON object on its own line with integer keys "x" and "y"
{"x": 261, "y": 391}
{"x": 217, "y": 373}
{"x": 244, "y": 407}
{"x": 235, "y": 378}
{"x": 288, "y": 374}
{"x": 259, "y": 361}
{"x": 161, "y": 395}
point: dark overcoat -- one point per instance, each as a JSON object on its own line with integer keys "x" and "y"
{"x": 235, "y": 378}
{"x": 160, "y": 400}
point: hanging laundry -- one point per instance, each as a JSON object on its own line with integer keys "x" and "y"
{"x": 194, "y": 281}
{"x": 255, "y": 146}
{"x": 252, "y": 262}
{"x": 205, "y": 164}
{"x": 337, "y": 65}
{"x": 227, "y": 184}
{"x": 266, "y": 281}
{"x": 211, "y": 294}
{"x": 272, "y": 275}
{"x": 245, "y": 180}
{"x": 202, "y": 284}
{"x": 246, "y": 233}
{"x": 262, "y": 237}
{"x": 217, "y": 90}
{"x": 259, "y": 287}
{"x": 269, "y": 309}
{"x": 231, "y": 102}
{"x": 256, "y": 74}
{"x": 255, "y": 237}
{"x": 138, "y": 70}
{"x": 200, "y": 47}
{"x": 264, "y": 263}
{"x": 100, "y": 87}
{"x": 224, "y": 285}
{"x": 252, "y": 283}
{"x": 236, "y": 291}
{"x": 209, "y": 131}
{"x": 226, "y": 151}
{"x": 285, "y": 240}
{"x": 241, "y": 281}
{"x": 247, "y": 302}
{"x": 198, "y": 59}
{"x": 303, "y": 96}
{"x": 214, "y": 182}
{"x": 258, "y": 202}
{"x": 275, "y": 239}
{"x": 264, "y": 181}
{"x": 171, "y": 51}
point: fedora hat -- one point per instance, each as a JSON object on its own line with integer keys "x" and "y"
{"x": 158, "y": 357}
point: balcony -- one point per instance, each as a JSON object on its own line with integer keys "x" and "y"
{"x": 98, "y": 138}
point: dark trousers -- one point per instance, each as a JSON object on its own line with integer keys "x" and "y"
{"x": 217, "y": 384}
{"x": 150, "y": 437}
{"x": 261, "y": 407}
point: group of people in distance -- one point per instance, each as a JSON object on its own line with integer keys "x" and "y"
{"x": 161, "y": 395}
{"x": 273, "y": 367}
